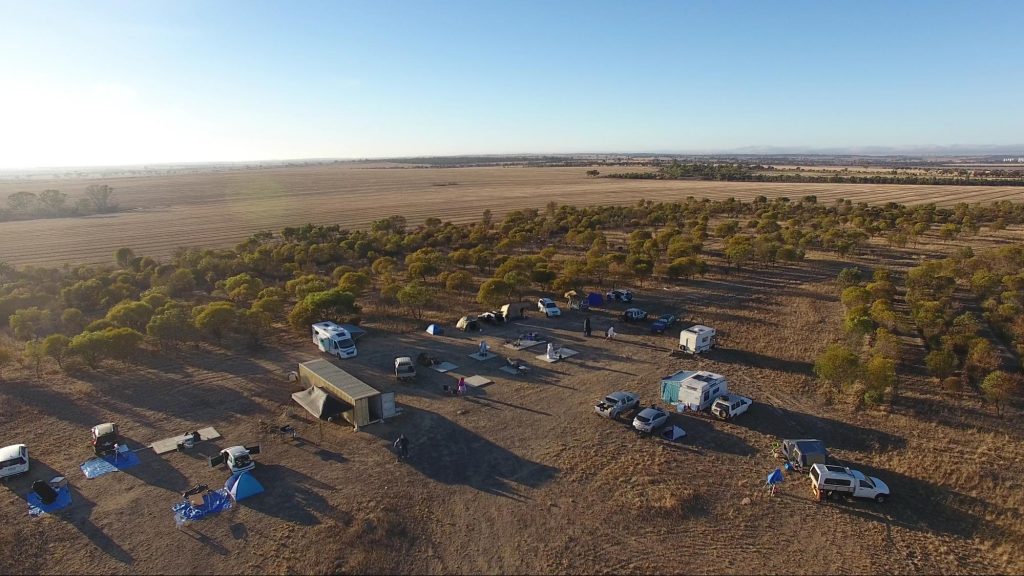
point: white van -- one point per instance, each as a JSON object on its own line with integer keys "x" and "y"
{"x": 333, "y": 339}
{"x": 13, "y": 460}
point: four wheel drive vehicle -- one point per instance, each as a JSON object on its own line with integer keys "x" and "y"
{"x": 104, "y": 437}
{"x": 238, "y": 458}
{"x": 828, "y": 480}
{"x": 405, "y": 369}
{"x": 548, "y": 307}
{"x": 634, "y": 315}
{"x": 664, "y": 322}
{"x": 333, "y": 339}
{"x": 620, "y": 295}
{"x": 13, "y": 460}
{"x": 803, "y": 453}
{"x": 650, "y": 419}
{"x": 616, "y": 403}
{"x": 730, "y": 405}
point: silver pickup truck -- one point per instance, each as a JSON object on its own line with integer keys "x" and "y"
{"x": 616, "y": 403}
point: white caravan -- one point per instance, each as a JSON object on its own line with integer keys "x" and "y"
{"x": 13, "y": 460}
{"x": 697, "y": 339}
{"x": 333, "y": 339}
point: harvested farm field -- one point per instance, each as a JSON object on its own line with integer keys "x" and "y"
{"x": 219, "y": 209}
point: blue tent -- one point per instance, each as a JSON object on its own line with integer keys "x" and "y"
{"x": 242, "y": 485}
{"x": 435, "y": 329}
{"x": 774, "y": 477}
{"x": 595, "y": 299}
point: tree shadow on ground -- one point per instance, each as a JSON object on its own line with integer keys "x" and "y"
{"x": 748, "y": 358}
{"x": 445, "y": 452}
{"x": 154, "y": 469}
{"x": 777, "y": 422}
{"x": 916, "y": 505}
{"x": 77, "y": 514}
{"x": 289, "y": 495}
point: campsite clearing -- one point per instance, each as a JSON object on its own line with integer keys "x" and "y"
{"x": 524, "y": 465}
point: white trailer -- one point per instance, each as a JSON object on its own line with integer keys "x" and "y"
{"x": 695, "y": 390}
{"x": 697, "y": 339}
{"x": 333, "y": 339}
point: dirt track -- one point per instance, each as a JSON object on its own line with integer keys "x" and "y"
{"x": 216, "y": 210}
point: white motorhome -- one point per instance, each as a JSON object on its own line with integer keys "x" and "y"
{"x": 333, "y": 339}
{"x": 695, "y": 390}
{"x": 697, "y": 339}
{"x": 13, "y": 460}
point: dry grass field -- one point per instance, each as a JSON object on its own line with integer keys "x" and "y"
{"x": 219, "y": 209}
{"x": 520, "y": 476}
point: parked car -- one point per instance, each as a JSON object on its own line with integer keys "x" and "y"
{"x": 634, "y": 315}
{"x": 13, "y": 460}
{"x": 650, "y": 419}
{"x": 620, "y": 295}
{"x": 616, "y": 403}
{"x": 549, "y": 307}
{"x": 730, "y": 405}
{"x": 828, "y": 480}
{"x": 664, "y": 322}
{"x": 238, "y": 458}
{"x": 405, "y": 369}
{"x": 104, "y": 437}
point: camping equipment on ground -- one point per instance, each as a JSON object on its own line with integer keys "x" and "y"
{"x": 199, "y": 507}
{"x": 182, "y": 441}
{"x": 48, "y": 497}
{"x": 435, "y": 330}
{"x": 319, "y": 403}
{"x": 467, "y": 324}
{"x": 804, "y": 453}
{"x": 673, "y": 434}
{"x": 242, "y": 485}
{"x": 120, "y": 459}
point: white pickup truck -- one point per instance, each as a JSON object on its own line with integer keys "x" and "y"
{"x": 730, "y": 405}
{"x": 828, "y": 480}
{"x": 616, "y": 403}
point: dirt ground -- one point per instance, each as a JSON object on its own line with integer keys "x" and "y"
{"x": 521, "y": 476}
{"x": 220, "y": 209}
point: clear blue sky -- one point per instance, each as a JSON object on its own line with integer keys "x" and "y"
{"x": 159, "y": 81}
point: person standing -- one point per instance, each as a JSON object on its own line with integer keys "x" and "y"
{"x": 402, "y": 446}
{"x": 462, "y": 386}
{"x": 586, "y": 327}
{"x": 610, "y": 335}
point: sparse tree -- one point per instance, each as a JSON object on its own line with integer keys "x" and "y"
{"x": 56, "y": 346}
{"x": 998, "y": 388}
{"x": 99, "y": 196}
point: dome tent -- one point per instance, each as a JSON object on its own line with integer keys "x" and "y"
{"x": 242, "y": 485}
{"x": 435, "y": 329}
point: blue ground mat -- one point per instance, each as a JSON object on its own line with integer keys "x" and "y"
{"x": 213, "y": 501}
{"x": 95, "y": 467}
{"x": 37, "y": 508}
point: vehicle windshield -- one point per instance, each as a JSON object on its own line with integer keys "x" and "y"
{"x": 611, "y": 400}
{"x": 549, "y": 305}
{"x": 242, "y": 460}
{"x": 345, "y": 343}
{"x": 643, "y": 419}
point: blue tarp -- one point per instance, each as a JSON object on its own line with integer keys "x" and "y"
{"x": 242, "y": 485}
{"x": 595, "y": 299}
{"x": 37, "y": 508}
{"x": 214, "y": 501}
{"x": 435, "y": 329}
{"x": 95, "y": 467}
{"x": 775, "y": 477}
